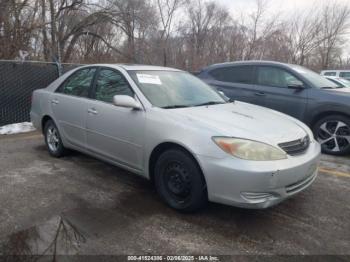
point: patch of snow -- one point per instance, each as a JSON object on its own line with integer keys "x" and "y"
{"x": 16, "y": 128}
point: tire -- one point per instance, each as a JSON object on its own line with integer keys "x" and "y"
{"x": 333, "y": 133}
{"x": 53, "y": 140}
{"x": 179, "y": 181}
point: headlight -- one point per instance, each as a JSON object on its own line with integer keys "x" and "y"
{"x": 249, "y": 150}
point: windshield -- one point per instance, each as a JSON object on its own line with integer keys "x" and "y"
{"x": 339, "y": 82}
{"x": 344, "y": 81}
{"x": 317, "y": 80}
{"x": 170, "y": 89}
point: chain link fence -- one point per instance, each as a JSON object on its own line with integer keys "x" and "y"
{"x": 17, "y": 82}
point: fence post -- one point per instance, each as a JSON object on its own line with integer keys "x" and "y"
{"x": 59, "y": 68}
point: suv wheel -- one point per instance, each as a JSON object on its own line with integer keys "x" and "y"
{"x": 53, "y": 140}
{"x": 179, "y": 181}
{"x": 333, "y": 133}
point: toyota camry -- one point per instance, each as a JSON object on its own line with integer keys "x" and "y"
{"x": 168, "y": 126}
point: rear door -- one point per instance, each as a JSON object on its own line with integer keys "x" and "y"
{"x": 114, "y": 132}
{"x": 69, "y": 105}
{"x": 236, "y": 82}
{"x": 273, "y": 84}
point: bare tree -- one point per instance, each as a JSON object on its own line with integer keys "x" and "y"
{"x": 69, "y": 20}
{"x": 134, "y": 18}
{"x": 303, "y": 35}
{"x": 17, "y": 26}
{"x": 167, "y": 10}
{"x": 203, "y": 17}
{"x": 335, "y": 25}
{"x": 256, "y": 17}
{"x": 144, "y": 31}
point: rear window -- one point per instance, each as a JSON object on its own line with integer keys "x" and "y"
{"x": 344, "y": 74}
{"x": 330, "y": 74}
{"x": 236, "y": 74}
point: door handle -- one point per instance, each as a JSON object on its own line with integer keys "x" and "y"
{"x": 55, "y": 102}
{"x": 260, "y": 94}
{"x": 92, "y": 111}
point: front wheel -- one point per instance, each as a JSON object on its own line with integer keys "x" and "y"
{"x": 53, "y": 140}
{"x": 179, "y": 181}
{"x": 333, "y": 133}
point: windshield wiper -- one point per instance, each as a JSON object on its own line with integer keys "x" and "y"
{"x": 211, "y": 103}
{"x": 328, "y": 87}
{"x": 203, "y": 104}
{"x": 174, "y": 106}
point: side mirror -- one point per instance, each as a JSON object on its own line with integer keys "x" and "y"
{"x": 296, "y": 85}
{"x": 126, "y": 101}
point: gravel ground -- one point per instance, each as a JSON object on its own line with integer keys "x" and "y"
{"x": 79, "y": 205}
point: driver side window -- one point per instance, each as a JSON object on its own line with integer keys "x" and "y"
{"x": 110, "y": 83}
{"x": 276, "y": 77}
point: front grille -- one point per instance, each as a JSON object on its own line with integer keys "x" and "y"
{"x": 296, "y": 147}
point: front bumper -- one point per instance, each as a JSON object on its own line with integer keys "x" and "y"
{"x": 259, "y": 184}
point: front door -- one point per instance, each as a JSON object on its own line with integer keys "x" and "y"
{"x": 115, "y": 132}
{"x": 273, "y": 85}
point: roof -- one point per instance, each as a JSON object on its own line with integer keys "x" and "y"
{"x": 139, "y": 67}
{"x": 253, "y": 62}
{"x": 248, "y": 62}
{"x": 332, "y": 77}
{"x": 336, "y": 70}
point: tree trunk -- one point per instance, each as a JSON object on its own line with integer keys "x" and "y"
{"x": 54, "y": 46}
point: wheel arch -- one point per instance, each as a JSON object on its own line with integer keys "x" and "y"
{"x": 164, "y": 146}
{"x": 323, "y": 114}
{"x": 44, "y": 120}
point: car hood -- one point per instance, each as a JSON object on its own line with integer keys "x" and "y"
{"x": 339, "y": 96}
{"x": 343, "y": 91}
{"x": 247, "y": 121}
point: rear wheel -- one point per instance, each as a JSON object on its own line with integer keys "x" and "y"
{"x": 53, "y": 140}
{"x": 333, "y": 133}
{"x": 179, "y": 181}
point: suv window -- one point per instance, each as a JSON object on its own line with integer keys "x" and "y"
{"x": 330, "y": 73}
{"x": 335, "y": 82}
{"x": 234, "y": 74}
{"x": 344, "y": 74}
{"x": 79, "y": 83}
{"x": 272, "y": 76}
{"x": 110, "y": 83}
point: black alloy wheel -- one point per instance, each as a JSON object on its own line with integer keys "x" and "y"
{"x": 333, "y": 133}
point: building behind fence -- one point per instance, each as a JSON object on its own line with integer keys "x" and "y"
{"x": 17, "y": 82}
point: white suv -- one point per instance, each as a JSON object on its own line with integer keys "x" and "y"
{"x": 337, "y": 73}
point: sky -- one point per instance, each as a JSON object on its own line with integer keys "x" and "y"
{"x": 276, "y": 5}
{"x": 283, "y": 7}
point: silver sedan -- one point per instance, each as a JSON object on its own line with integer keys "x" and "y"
{"x": 170, "y": 127}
